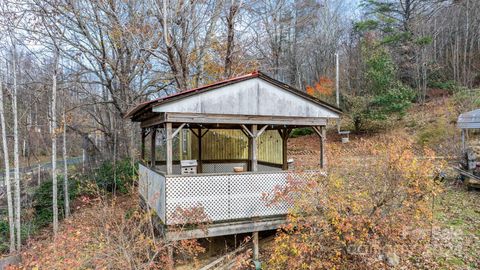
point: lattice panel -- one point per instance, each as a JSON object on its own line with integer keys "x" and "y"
{"x": 209, "y": 193}
{"x": 226, "y": 196}
{"x": 151, "y": 186}
{"x": 247, "y": 195}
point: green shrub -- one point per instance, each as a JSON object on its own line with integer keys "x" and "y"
{"x": 27, "y": 229}
{"x": 380, "y": 73}
{"x": 372, "y": 113}
{"x": 4, "y": 235}
{"x": 434, "y": 134}
{"x": 394, "y": 101}
{"x": 42, "y": 201}
{"x": 118, "y": 178}
{"x": 298, "y": 132}
{"x": 383, "y": 97}
{"x": 450, "y": 85}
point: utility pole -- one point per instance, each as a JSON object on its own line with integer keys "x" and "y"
{"x": 337, "y": 87}
{"x": 337, "y": 80}
{"x": 344, "y": 134}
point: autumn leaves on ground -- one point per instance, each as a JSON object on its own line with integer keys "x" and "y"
{"x": 80, "y": 241}
{"x": 379, "y": 208}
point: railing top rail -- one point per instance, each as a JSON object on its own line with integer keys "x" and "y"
{"x": 231, "y": 173}
{"x": 153, "y": 169}
{"x": 244, "y": 173}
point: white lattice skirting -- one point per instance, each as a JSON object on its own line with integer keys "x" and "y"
{"x": 221, "y": 197}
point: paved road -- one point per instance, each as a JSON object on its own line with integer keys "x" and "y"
{"x": 43, "y": 166}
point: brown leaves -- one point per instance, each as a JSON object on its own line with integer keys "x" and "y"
{"x": 106, "y": 234}
{"x": 377, "y": 190}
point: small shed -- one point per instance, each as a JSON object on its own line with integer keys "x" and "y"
{"x": 231, "y": 199}
{"x": 467, "y": 121}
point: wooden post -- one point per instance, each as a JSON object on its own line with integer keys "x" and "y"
{"x": 255, "y": 246}
{"x": 153, "y": 133}
{"x": 142, "y": 147}
{"x": 463, "y": 141}
{"x": 253, "y": 149}
{"x": 284, "y": 154}
{"x": 170, "y": 262}
{"x": 323, "y": 139}
{"x": 180, "y": 144}
{"x": 168, "y": 127}
{"x": 200, "y": 164}
{"x": 322, "y": 134}
{"x": 284, "y": 134}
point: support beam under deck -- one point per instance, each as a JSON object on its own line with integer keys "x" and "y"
{"x": 227, "y": 228}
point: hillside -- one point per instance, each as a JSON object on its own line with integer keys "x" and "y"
{"x": 98, "y": 234}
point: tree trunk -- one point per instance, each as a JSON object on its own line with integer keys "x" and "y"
{"x": 230, "y": 39}
{"x": 65, "y": 167}
{"x": 6, "y": 159}
{"x": 465, "y": 45}
{"x": 54, "y": 149}
{"x": 16, "y": 158}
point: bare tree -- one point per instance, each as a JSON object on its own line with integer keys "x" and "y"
{"x": 16, "y": 154}
{"x": 6, "y": 160}
{"x": 188, "y": 27}
{"x": 110, "y": 44}
{"x": 232, "y": 13}
{"x": 53, "y": 123}
{"x": 65, "y": 167}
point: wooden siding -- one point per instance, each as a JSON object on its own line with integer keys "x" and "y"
{"x": 255, "y": 97}
{"x": 270, "y": 147}
{"x": 220, "y": 144}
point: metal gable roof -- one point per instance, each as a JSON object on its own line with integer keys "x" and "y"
{"x": 145, "y": 107}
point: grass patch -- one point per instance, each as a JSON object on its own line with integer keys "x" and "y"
{"x": 457, "y": 218}
{"x": 455, "y": 261}
{"x": 434, "y": 133}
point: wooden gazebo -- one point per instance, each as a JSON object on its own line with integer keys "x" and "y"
{"x": 233, "y": 202}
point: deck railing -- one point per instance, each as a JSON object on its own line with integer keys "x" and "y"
{"x": 217, "y": 197}
{"x": 151, "y": 186}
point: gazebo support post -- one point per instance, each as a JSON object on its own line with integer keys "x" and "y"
{"x": 255, "y": 246}
{"x": 152, "y": 146}
{"x": 284, "y": 134}
{"x": 199, "y": 140}
{"x": 253, "y": 133}
{"x": 168, "y": 127}
{"x": 323, "y": 139}
{"x": 142, "y": 147}
{"x": 463, "y": 140}
{"x": 199, "y": 136}
{"x": 252, "y": 149}
{"x": 322, "y": 134}
{"x": 170, "y": 261}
